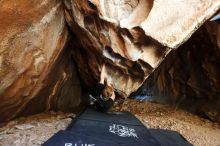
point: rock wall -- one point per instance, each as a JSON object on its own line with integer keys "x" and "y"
{"x": 132, "y": 37}
{"x": 189, "y": 76}
{"x": 129, "y": 55}
{"x": 34, "y": 65}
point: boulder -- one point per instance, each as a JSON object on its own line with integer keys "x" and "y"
{"x": 189, "y": 76}
{"x": 131, "y": 37}
{"x": 35, "y": 67}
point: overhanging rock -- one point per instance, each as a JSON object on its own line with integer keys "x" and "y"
{"x": 173, "y": 22}
{"x": 131, "y": 37}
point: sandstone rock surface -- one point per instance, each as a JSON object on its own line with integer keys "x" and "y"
{"x": 132, "y": 37}
{"x": 189, "y": 77}
{"x": 34, "y": 66}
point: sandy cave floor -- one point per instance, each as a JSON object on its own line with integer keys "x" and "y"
{"x": 35, "y": 130}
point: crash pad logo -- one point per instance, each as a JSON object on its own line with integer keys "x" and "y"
{"x": 70, "y": 144}
{"x": 122, "y": 131}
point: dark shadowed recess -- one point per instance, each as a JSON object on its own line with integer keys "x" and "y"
{"x": 189, "y": 78}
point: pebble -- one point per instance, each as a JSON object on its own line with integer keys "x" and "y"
{"x": 40, "y": 142}
{"x": 187, "y": 127}
{"x": 48, "y": 125}
{"x": 18, "y": 141}
{"x": 146, "y": 121}
{"x": 24, "y": 126}
{"x": 9, "y": 132}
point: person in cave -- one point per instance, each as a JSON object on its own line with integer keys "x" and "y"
{"x": 103, "y": 97}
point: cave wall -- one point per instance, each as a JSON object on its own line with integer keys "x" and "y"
{"x": 35, "y": 70}
{"x": 190, "y": 76}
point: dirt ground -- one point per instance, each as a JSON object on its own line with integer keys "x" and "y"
{"x": 198, "y": 131}
{"x": 35, "y": 130}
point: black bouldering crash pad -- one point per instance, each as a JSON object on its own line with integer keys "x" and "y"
{"x": 92, "y": 128}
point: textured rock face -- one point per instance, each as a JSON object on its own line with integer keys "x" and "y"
{"x": 33, "y": 63}
{"x": 189, "y": 77}
{"x": 129, "y": 55}
{"x": 122, "y": 34}
{"x": 131, "y": 37}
